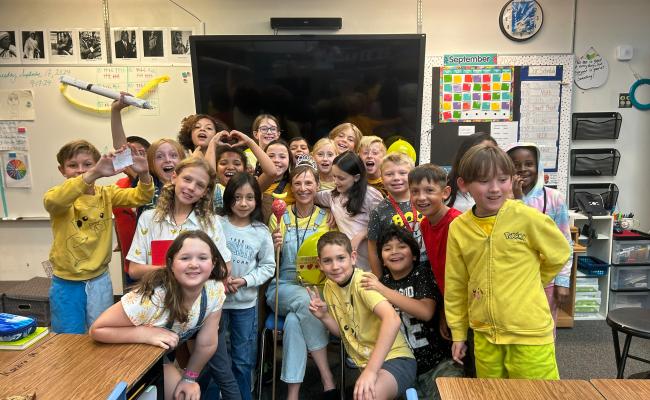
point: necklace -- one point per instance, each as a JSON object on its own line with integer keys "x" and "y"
{"x": 299, "y": 241}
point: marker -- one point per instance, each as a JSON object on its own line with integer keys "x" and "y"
{"x": 102, "y": 91}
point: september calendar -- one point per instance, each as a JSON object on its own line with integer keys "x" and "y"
{"x": 475, "y": 93}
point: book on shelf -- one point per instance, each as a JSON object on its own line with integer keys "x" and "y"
{"x": 27, "y": 341}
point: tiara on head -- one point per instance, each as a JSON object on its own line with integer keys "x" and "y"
{"x": 305, "y": 159}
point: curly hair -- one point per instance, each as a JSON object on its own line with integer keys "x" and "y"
{"x": 202, "y": 208}
{"x": 164, "y": 277}
{"x": 187, "y": 124}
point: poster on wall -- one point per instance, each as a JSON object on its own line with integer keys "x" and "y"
{"x": 62, "y": 46}
{"x": 9, "y": 53}
{"x": 33, "y": 47}
{"x": 17, "y": 105}
{"x": 179, "y": 42}
{"x": 475, "y": 93}
{"x": 91, "y": 46}
{"x": 153, "y": 44}
{"x": 125, "y": 45}
{"x": 16, "y": 173}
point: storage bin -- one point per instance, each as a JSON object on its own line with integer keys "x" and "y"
{"x": 630, "y": 278}
{"x": 589, "y": 295}
{"x": 588, "y": 303}
{"x": 586, "y": 288}
{"x": 629, "y": 299}
{"x": 583, "y": 280}
{"x": 631, "y": 252}
{"x": 31, "y": 299}
{"x": 608, "y": 191}
{"x": 587, "y": 309}
{"x": 596, "y": 125}
{"x": 4, "y": 286}
{"x": 592, "y": 266}
{"x": 594, "y": 162}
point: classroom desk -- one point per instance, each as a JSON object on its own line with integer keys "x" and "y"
{"x": 76, "y": 367}
{"x": 515, "y": 389}
{"x": 623, "y": 389}
{"x": 9, "y": 356}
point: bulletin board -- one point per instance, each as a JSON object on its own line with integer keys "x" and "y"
{"x": 521, "y": 98}
{"x": 56, "y": 121}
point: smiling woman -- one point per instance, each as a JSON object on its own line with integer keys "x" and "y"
{"x": 301, "y": 328}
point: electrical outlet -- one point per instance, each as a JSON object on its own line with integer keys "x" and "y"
{"x": 624, "y": 100}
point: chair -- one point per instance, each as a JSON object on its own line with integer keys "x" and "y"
{"x": 632, "y": 322}
{"x": 268, "y": 326}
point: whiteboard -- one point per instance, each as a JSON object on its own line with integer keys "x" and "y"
{"x": 58, "y": 122}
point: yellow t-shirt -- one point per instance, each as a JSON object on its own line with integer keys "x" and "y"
{"x": 352, "y": 307}
{"x": 250, "y": 157}
{"x": 485, "y": 223}
{"x": 326, "y": 185}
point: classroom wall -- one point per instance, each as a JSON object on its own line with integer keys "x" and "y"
{"x": 605, "y": 24}
{"x": 463, "y": 26}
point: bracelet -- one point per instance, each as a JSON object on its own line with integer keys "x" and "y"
{"x": 186, "y": 379}
{"x": 190, "y": 374}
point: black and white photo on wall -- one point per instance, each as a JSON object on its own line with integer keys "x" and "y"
{"x": 125, "y": 43}
{"x": 8, "y": 48}
{"x": 61, "y": 43}
{"x": 180, "y": 40}
{"x": 90, "y": 45}
{"x": 152, "y": 43}
{"x": 33, "y": 45}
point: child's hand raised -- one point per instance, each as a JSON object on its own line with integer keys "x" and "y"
{"x": 316, "y": 305}
{"x": 118, "y": 105}
{"x": 371, "y": 282}
{"x": 140, "y": 165}
{"x": 238, "y": 139}
{"x": 458, "y": 351}
{"x": 160, "y": 337}
{"x": 518, "y": 187}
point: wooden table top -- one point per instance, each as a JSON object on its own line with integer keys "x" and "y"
{"x": 623, "y": 389}
{"x": 9, "y": 356}
{"x": 515, "y": 389}
{"x": 75, "y": 366}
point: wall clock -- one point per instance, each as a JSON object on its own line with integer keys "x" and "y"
{"x": 520, "y": 20}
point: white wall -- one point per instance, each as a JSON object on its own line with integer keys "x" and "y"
{"x": 462, "y": 26}
{"x": 606, "y": 24}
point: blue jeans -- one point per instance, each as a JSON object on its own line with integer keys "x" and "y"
{"x": 232, "y": 368}
{"x": 75, "y": 305}
{"x": 302, "y": 331}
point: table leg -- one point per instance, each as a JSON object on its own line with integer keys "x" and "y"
{"x": 626, "y": 349}
{"x": 617, "y": 349}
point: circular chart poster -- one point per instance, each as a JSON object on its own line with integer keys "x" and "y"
{"x": 16, "y": 169}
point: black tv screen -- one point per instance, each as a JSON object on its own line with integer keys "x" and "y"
{"x": 312, "y": 83}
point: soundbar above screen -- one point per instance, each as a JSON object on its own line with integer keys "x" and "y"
{"x": 312, "y": 83}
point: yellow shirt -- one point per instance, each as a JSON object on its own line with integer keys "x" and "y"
{"x": 287, "y": 189}
{"x": 82, "y": 226}
{"x": 302, "y": 222}
{"x": 485, "y": 223}
{"x": 352, "y": 307}
{"x": 250, "y": 157}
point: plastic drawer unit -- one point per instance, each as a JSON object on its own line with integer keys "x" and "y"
{"x": 629, "y": 299}
{"x": 630, "y": 278}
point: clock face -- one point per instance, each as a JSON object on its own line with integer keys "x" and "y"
{"x": 521, "y": 19}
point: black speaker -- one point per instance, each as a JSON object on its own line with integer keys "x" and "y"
{"x": 306, "y": 23}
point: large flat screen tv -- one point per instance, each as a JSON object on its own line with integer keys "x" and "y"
{"x": 312, "y": 82}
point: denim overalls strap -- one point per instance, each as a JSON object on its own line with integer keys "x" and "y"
{"x": 199, "y": 323}
{"x": 290, "y": 244}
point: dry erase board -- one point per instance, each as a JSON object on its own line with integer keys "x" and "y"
{"x": 441, "y": 134}
{"x": 57, "y": 121}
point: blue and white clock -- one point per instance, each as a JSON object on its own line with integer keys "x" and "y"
{"x": 520, "y": 20}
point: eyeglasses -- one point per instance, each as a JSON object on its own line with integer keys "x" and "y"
{"x": 266, "y": 129}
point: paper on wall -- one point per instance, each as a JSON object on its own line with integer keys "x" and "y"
{"x": 504, "y": 133}
{"x": 466, "y": 130}
{"x": 17, "y": 105}
{"x": 10, "y": 138}
{"x": 15, "y": 166}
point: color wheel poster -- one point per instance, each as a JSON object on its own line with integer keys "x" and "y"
{"x": 475, "y": 93}
{"x": 15, "y": 165}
